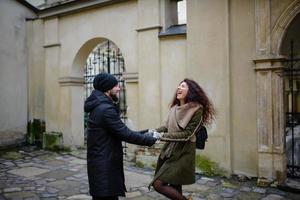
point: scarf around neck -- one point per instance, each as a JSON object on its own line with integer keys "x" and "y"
{"x": 179, "y": 116}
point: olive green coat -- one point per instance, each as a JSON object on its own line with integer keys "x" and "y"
{"x": 178, "y": 168}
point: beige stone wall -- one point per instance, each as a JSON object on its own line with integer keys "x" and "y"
{"x": 173, "y": 69}
{"x": 208, "y": 63}
{"x": 132, "y": 101}
{"x": 36, "y": 70}
{"x": 13, "y": 71}
{"x": 222, "y": 41}
{"x": 221, "y": 47}
{"x": 270, "y": 85}
{"x": 68, "y": 41}
{"x": 148, "y": 63}
{"x": 243, "y": 87}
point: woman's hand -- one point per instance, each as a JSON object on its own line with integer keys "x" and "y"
{"x": 154, "y": 133}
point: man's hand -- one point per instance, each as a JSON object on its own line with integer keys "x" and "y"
{"x": 154, "y": 133}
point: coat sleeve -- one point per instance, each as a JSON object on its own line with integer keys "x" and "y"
{"x": 162, "y": 129}
{"x": 115, "y": 126}
{"x": 187, "y": 132}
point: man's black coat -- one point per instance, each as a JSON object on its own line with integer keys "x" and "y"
{"x": 105, "y": 134}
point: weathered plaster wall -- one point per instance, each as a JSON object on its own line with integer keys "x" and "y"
{"x": 13, "y": 71}
{"x": 223, "y": 38}
{"x": 208, "y": 63}
{"x": 173, "y": 69}
{"x": 68, "y": 42}
{"x": 243, "y": 87}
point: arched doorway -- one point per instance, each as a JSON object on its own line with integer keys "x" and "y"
{"x": 78, "y": 84}
{"x": 290, "y": 48}
{"x": 271, "y": 99}
{"x": 106, "y": 57}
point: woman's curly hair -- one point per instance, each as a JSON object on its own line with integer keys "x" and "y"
{"x": 197, "y": 94}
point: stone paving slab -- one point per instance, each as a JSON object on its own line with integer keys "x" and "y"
{"x": 293, "y": 183}
{"x": 57, "y": 174}
{"x": 56, "y": 163}
{"x": 35, "y": 174}
{"x": 80, "y": 197}
{"x": 66, "y": 188}
{"x": 21, "y": 195}
{"x": 135, "y": 180}
{"x": 28, "y": 171}
{"x": 78, "y": 162}
{"x": 141, "y": 198}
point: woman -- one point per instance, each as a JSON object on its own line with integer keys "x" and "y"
{"x": 176, "y": 162}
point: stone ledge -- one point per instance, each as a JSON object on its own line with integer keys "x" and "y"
{"x": 52, "y": 45}
{"x": 131, "y": 77}
{"x": 71, "y": 81}
{"x": 149, "y": 28}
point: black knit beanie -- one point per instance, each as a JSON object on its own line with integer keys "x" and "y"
{"x": 104, "y": 82}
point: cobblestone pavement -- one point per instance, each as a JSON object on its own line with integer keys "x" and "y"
{"x": 28, "y": 173}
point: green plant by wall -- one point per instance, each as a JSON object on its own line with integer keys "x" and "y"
{"x": 208, "y": 167}
{"x": 139, "y": 164}
{"x": 11, "y": 155}
{"x": 53, "y": 141}
{"x": 59, "y": 149}
{"x": 35, "y": 130}
{"x": 66, "y": 149}
{"x": 153, "y": 165}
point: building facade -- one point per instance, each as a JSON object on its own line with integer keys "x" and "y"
{"x": 236, "y": 50}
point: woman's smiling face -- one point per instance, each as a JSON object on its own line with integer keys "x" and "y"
{"x": 182, "y": 91}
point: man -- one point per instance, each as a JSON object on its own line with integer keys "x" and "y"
{"x": 105, "y": 134}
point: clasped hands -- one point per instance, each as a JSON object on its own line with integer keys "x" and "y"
{"x": 154, "y": 133}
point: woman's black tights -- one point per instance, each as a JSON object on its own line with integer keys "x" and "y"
{"x": 173, "y": 192}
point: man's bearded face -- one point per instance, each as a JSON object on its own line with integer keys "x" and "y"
{"x": 114, "y": 93}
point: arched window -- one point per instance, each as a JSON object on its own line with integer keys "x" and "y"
{"x": 106, "y": 57}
